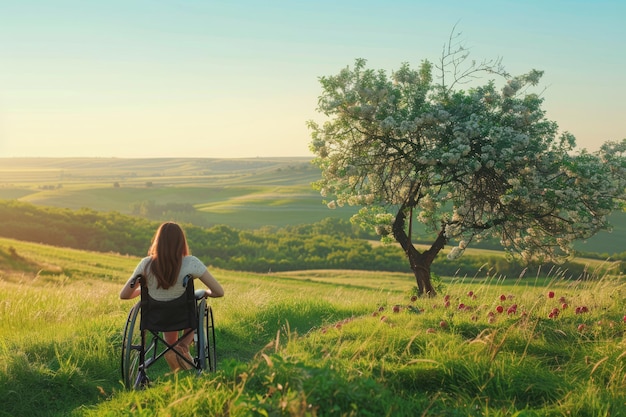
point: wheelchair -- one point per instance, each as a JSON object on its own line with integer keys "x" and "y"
{"x": 143, "y": 344}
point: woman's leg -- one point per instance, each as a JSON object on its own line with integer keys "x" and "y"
{"x": 170, "y": 337}
{"x": 187, "y": 340}
{"x": 182, "y": 347}
{"x": 170, "y": 356}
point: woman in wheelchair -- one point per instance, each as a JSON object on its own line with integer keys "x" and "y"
{"x": 165, "y": 271}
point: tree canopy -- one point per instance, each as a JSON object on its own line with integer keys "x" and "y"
{"x": 469, "y": 164}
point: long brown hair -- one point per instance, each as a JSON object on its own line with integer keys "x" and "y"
{"x": 169, "y": 246}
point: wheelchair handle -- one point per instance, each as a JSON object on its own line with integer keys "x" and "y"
{"x": 134, "y": 280}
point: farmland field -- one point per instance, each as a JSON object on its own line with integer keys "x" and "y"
{"x": 242, "y": 193}
{"x": 246, "y": 193}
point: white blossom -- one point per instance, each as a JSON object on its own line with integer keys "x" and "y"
{"x": 388, "y": 124}
{"x": 502, "y": 159}
{"x": 455, "y": 253}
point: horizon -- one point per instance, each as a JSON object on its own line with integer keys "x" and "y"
{"x": 158, "y": 157}
{"x": 240, "y": 80}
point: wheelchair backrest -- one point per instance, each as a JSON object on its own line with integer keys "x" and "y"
{"x": 164, "y": 316}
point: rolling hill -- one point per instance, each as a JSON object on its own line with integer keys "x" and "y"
{"x": 247, "y": 193}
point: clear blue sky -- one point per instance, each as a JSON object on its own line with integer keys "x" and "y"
{"x": 161, "y": 78}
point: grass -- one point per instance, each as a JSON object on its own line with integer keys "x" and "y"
{"x": 318, "y": 343}
{"x": 242, "y": 193}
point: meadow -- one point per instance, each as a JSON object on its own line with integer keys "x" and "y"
{"x": 242, "y": 193}
{"x": 298, "y": 343}
{"x": 313, "y": 343}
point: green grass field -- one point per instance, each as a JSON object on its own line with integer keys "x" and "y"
{"x": 242, "y": 193}
{"x": 316, "y": 343}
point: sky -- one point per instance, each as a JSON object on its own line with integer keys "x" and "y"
{"x": 240, "y": 78}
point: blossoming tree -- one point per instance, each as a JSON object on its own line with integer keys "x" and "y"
{"x": 468, "y": 164}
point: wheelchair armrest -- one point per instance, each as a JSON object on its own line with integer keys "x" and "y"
{"x": 200, "y": 294}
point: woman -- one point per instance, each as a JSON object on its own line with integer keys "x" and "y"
{"x": 169, "y": 261}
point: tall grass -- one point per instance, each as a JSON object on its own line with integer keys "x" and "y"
{"x": 309, "y": 345}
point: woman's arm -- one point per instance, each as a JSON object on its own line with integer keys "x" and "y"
{"x": 132, "y": 288}
{"x": 215, "y": 289}
{"x": 129, "y": 292}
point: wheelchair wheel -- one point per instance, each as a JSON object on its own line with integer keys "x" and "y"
{"x": 131, "y": 350}
{"x": 206, "y": 338}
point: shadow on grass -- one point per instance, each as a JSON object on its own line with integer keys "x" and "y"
{"x": 42, "y": 386}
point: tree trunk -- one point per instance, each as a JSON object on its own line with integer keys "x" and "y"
{"x": 420, "y": 262}
{"x": 421, "y": 269}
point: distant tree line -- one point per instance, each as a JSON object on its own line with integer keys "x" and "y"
{"x": 329, "y": 244}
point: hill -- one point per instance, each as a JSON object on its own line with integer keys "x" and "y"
{"x": 241, "y": 193}
{"x": 248, "y": 193}
{"x": 314, "y": 344}
{"x": 328, "y": 244}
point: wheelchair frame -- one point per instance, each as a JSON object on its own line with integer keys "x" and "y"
{"x": 141, "y": 349}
